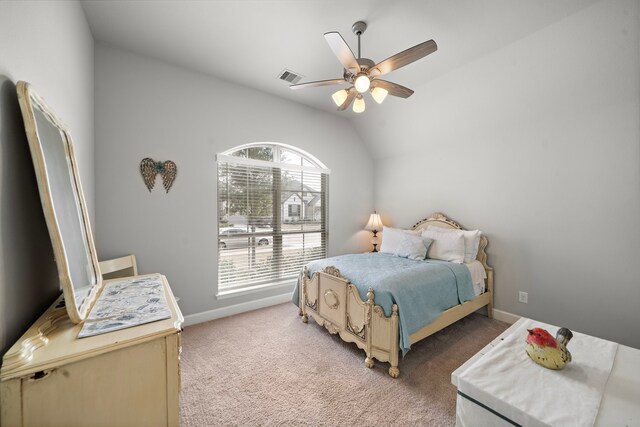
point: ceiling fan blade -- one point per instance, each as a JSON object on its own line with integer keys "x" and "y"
{"x": 342, "y": 50}
{"x": 393, "y": 88}
{"x": 318, "y": 83}
{"x": 350, "y": 95}
{"x": 403, "y": 58}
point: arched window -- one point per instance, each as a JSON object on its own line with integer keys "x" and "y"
{"x": 272, "y": 215}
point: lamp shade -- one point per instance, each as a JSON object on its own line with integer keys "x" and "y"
{"x": 358, "y": 105}
{"x": 375, "y": 223}
{"x": 379, "y": 94}
{"x": 340, "y": 96}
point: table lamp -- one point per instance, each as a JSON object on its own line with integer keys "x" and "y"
{"x": 375, "y": 225}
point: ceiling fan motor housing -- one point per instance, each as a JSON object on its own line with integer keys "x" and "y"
{"x": 365, "y": 63}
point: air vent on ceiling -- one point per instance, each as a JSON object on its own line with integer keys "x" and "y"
{"x": 290, "y": 76}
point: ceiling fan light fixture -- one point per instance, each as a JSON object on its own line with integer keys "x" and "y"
{"x": 362, "y": 83}
{"x": 358, "y": 104}
{"x": 379, "y": 94}
{"x": 363, "y": 74}
{"x": 340, "y": 96}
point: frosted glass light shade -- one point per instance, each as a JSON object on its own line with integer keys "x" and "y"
{"x": 379, "y": 94}
{"x": 375, "y": 223}
{"x": 362, "y": 84}
{"x": 358, "y": 105}
{"x": 340, "y": 96}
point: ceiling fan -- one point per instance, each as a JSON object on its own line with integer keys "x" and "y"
{"x": 363, "y": 74}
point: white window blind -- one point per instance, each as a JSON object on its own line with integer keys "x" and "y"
{"x": 272, "y": 217}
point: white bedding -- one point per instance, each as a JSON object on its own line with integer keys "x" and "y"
{"x": 478, "y": 274}
{"x": 508, "y": 382}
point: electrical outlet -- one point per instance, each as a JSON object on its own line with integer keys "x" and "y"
{"x": 523, "y": 297}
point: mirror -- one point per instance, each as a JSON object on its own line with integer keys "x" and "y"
{"x": 63, "y": 203}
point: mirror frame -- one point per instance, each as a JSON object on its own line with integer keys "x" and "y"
{"x": 29, "y": 99}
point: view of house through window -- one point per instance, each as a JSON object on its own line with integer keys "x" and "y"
{"x": 272, "y": 215}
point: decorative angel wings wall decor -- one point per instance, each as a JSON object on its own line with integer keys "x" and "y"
{"x": 149, "y": 169}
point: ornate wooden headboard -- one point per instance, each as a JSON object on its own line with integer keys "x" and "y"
{"x": 442, "y": 221}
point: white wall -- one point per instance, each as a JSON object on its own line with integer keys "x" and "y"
{"x": 147, "y": 108}
{"x": 537, "y": 144}
{"x": 49, "y": 45}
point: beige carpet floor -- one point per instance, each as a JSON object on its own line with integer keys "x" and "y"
{"x": 267, "y": 368}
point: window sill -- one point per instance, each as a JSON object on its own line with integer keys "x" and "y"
{"x": 255, "y": 289}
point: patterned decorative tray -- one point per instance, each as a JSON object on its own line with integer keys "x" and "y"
{"x": 126, "y": 303}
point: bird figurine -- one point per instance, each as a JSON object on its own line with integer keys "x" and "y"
{"x": 548, "y": 351}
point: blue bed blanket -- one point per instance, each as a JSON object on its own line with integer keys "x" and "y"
{"x": 421, "y": 289}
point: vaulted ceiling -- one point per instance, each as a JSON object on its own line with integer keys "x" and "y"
{"x": 250, "y": 42}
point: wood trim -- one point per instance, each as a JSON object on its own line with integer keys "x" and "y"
{"x": 119, "y": 267}
{"x": 28, "y": 98}
{"x": 505, "y": 316}
{"x": 441, "y": 220}
{"x": 10, "y": 414}
{"x": 173, "y": 351}
{"x": 450, "y": 316}
{"x": 230, "y": 310}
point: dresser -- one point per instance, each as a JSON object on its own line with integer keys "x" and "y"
{"x": 129, "y": 377}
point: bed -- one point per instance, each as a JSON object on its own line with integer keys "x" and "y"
{"x": 378, "y": 318}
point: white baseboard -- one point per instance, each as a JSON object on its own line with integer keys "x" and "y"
{"x": 218, "y": 313}
{"x": 505, "y": 316}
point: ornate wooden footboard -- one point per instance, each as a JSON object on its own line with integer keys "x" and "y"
{"x": 336, "y": 304}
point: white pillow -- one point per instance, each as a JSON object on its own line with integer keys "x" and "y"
{"x": 471, "y": 241}
{"x": 413, "y": 246}
{"x": 392, "y": 238}
{"x": 447, "y": 245}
